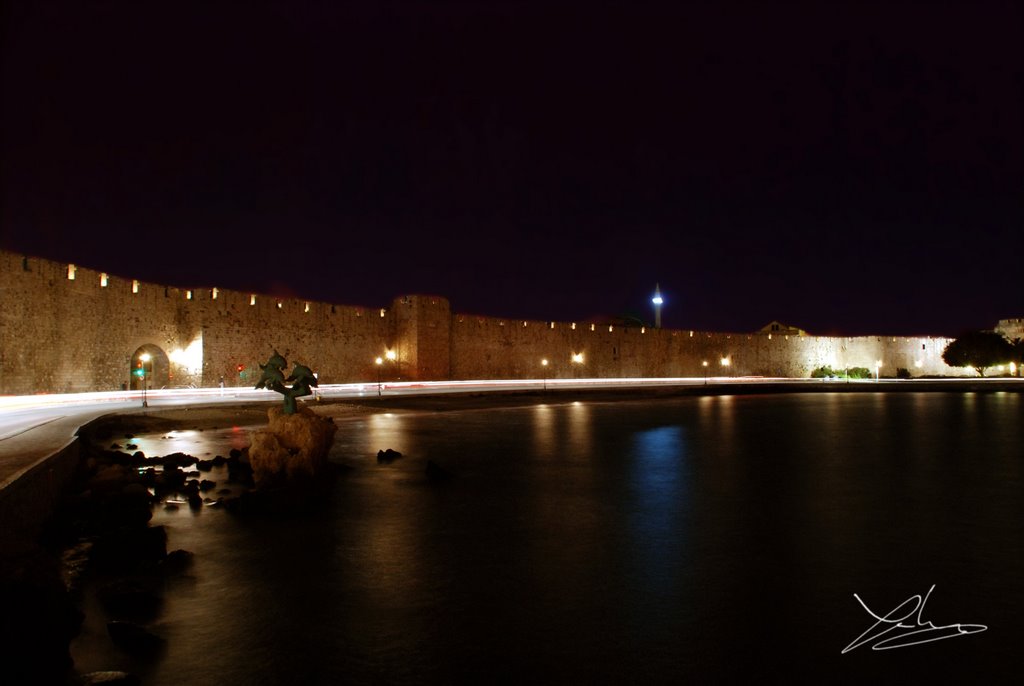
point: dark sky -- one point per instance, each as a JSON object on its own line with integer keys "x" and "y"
{"x": 846, "y": 167}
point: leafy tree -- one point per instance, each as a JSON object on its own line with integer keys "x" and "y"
{"x": 978, "y": 349}
{"x": 1018, "y": 353}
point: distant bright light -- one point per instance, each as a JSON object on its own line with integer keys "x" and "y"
{"x": 544, "y": 362}
{"x": 191, "y": 358}
{"x": 725, "y": 362}
{"x": 379, "y": 360}
{"x": 145, "y": 357}
{"x": 577, "y": 358}
{"x": 657, "y": 300}
{"x": 391, "y": 355}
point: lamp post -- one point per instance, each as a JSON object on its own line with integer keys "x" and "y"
{"x": 657, "y": 300}
{"x": 544, "y": 366}
{"x": 705, "y": 365}
{"x": 379, "y": 362}
{"x": 145, "y": 357}
{"x": 878, "y": 366}
{"x": 577, "y": 362}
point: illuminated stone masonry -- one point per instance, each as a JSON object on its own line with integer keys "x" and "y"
{"x": 64, "y": 328}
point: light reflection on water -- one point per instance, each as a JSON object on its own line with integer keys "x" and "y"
{"x": 715, "y": 538}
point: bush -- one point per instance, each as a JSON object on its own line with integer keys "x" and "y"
{"x": 902, "y": 373}
{"x": 826, "y": 372}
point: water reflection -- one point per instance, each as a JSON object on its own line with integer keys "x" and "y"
{"x": 720, "y": 538}
{"x": 660, "y": 496}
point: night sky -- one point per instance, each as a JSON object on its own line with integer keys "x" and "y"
{"x": 844, "y": 167}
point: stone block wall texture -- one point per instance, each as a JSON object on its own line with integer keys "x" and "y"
{"x": 63, "y": 334}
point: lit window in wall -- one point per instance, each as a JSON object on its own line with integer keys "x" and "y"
{"x": 610, "y": 328}
{"x": 306, "y": 308}
{"x": 524, "y": 324}
{"x": 279, "y": 305}
{"x": 574, "y": 326}
{"x": 135, "y": 285}
{"x": 643, "y": 329}
{"x": 382, "y": 311}
{"x": 188, "y": 295}
{"x": 552, "y": 325}
{"x": 103, "y": 280}
{"x": 252, "y": 299}
{"x": 592, "y": 328}
{"x": 213, "y": 294}
{"x": 71, "y": 272}
{"x": 691, "y": 334}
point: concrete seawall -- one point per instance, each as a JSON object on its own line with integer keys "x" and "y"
{"x": 29, "y": 497}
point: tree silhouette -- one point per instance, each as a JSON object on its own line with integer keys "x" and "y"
{"x": 979, "y": 350}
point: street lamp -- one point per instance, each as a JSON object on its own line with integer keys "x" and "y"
{"x": 145, "y": 357}
{"x": 379, "y": 361}
{"x": 878, "y": 366}
{"x": 544, "y": 364}
{"x": 705, "y": 365}
{"x": 657, "y": 300}
{"x": 725, "y": 363}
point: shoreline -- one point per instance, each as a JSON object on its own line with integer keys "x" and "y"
{"x": 201, "y": 417}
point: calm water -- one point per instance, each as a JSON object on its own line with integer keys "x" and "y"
{"x": 708, "y": 538}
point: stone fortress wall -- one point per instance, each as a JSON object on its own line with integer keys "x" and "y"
{"x": 64, "y": 328}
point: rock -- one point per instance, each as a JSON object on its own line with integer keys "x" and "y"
{"x": 179, "y": 460}
{"x": 110, "y": 479}
{"x": 131, "y": 446}
{"x": 109, "y": 679}
{"x": 135, "y": 490}
{"x": 195, "y": 501}
{"x": 293, "y": 446}
{"x": 115, "y": 446}
{"x": 207, "y": 485}
{"x": 132, "y": 638}
{"x": 127, "y": 549}
{"x": 129, "y": 598}
{"x": 176, "y": 562}
{"x": 38, "y": 619}
{"x": 204, "y": 465}
{"x": 388, "y": 456}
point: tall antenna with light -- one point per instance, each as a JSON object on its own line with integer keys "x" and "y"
{"x": 657, "y": 300}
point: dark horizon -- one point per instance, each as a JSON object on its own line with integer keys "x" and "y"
{"x": 853, "y": 169}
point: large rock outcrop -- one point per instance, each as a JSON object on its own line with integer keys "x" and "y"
{"x": 293, "y": 447}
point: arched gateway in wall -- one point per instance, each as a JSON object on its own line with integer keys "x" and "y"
{"x": 150, "y": 366}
